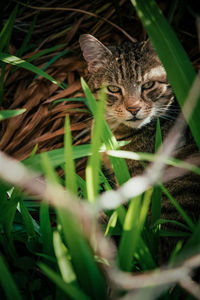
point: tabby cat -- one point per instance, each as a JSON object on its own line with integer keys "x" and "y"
{"x": 137, "y": 93}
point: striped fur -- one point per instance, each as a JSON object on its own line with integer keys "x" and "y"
{"x": 129, "y": 67}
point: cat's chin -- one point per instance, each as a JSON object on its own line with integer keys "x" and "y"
{"x": 137, "y": 124}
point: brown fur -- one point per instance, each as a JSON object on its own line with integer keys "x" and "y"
{"x": 132, "y": 110}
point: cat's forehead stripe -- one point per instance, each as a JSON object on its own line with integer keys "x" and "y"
{"x": 155, "y": 72}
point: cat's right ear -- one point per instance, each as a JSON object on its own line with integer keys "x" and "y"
{"x": 94, "y": 52}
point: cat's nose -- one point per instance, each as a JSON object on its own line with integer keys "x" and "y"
{"x": 133, "y": 109}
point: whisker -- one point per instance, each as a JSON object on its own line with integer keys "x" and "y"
{"x": 166, "y": 117}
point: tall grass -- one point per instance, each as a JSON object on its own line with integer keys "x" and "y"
{"x": 59, "y": 252}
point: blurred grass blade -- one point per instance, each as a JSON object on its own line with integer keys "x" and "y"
{"x": 126, "y": 249}
{"x": 165, "y": 221}
{"x": 63, "y": 259}
{"x": 5, "y": 36}
{"x": 87, "y": 272}
{"x": 6, "y": 31}
{"x": 88, "y": 275}
{"x": 26, "y": 40}
{"x": 68, "y": 99}
{"x": 52, "y": 60}
{"x": 44, "y": 52}
{"x": 157, "y": 193}
{"x": 108, "y": 138}
{"x": 172, "y": 9}
{"x": 158, "y": 140}
{"x": 144, "y": 255}
{"x": 49, "y": 169}
{"x": 6, "y": 114}
{"x": 111, "y": 223}
{"x": 45, "y": 229}
{"x": 27, "y": 219}
{"x": 94, "y": 161}
{"x": 8, "y": 284}
{"x": 180, "y": 71}
{"x": 133, "y": 224}
{"x": 194, "y": 240}
{"x": 151, "y": 157}
{"x": 71, "y": 290}
{"x": 179, "y": 208}
{"x": 16, "y": 61}
{"x": 70, "y": 173}
{"x": 82, "y": 186}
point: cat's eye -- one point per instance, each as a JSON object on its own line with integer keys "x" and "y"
{"x": 113, "y": 89}
{"x": 148, "y": 85}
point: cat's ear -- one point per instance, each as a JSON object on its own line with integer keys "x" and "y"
{"x": 94, "y": 51}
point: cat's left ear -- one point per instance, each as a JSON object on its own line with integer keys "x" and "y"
{"x": 94, "y": 51}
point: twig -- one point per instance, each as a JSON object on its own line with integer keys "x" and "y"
{"x": 155, "y": 278}
{"x": 191, "y": 286}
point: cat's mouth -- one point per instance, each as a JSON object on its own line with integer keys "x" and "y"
{"x": 133, "y": 119}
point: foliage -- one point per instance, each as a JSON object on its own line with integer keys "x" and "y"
{"x": 58, "y": 252}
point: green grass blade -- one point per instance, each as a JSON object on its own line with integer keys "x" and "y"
{"x": 179, "y": 208}
{"x": 70, "y": 173}
{"x": 52, "y": 60}
{"x": 63, "y": 259}
{"x": 94, "y": 161}
{"x": 87, "y": 272}
{"x": 44, "y": 52}
{"x": 172, "y": 9}
{"x": 158, "y": 140}
{"x": 16, "y": 61}
{"x": 57, "y": 156}
{"x": 3, "y": 70}
{"x": 172, "y": 56}
{"x": 25, "y": 42}
{"x": 6, "y": 114}
{"x": 27, "y": 219}
{"x": 46, "y": 230}
{"x": 71, "y": 290}
{"x": 8, "y": 210}
{"x": 49, "y": 169}
{"x": 151, "y": 157}
{"x": 68, "y": 99}
{"x": 165, "y": 221}
{"x": 144, "y": 255}
{"x": 82, "y": 186}
{"x": 194, "y": 241}
{"x": 133, "y": 225}
{"x": 6, "y": 31}
{"x": 156, "y": 204}
{"x": 108, "y": 138}
{"x": 157, "y": 193}
{"x": 5, "y": 36}
{"x": 111, "y": 223}
{"x": 126, "y": 248}
{"x": 7, "y": 282}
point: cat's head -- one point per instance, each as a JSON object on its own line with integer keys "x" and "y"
{"x": 137, "y": 86}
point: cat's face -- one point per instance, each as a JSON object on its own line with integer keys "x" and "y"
{"x": 136, "y": 82}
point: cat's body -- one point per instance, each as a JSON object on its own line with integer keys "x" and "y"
{"x": 137, "y": 93}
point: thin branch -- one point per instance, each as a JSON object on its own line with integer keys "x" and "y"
{"x": 191, "y": 287}
{"x": 157, "y": 277}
